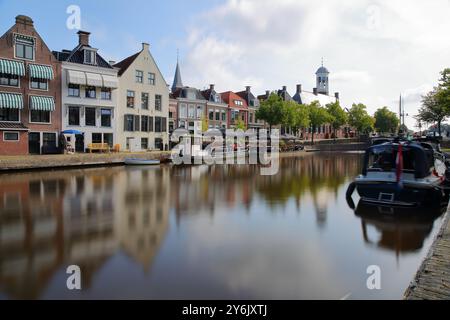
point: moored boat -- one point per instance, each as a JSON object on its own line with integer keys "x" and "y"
{"x": 401, "y": 173}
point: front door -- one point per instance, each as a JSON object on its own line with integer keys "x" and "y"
{"x": 79, "y": 143}
{"x": 34, "y": 143}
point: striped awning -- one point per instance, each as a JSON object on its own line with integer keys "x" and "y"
{"x": 16, "y": 68}
{"x": 41, "y": 71}
{"x": 11, "y": 100}
{"x": 42, "y": 103}
{"x": 76, "y": 77}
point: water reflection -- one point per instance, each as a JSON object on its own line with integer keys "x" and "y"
{"x": 199, "y": 232}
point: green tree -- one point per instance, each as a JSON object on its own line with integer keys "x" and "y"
{"x": 318, "y": 116}
{"x": 436, "y": 104}
{"x": 340, "y": 117}
{"x": 386, "y": 121}
{"x": 271, "y": 110}
{"x": 240, "y": 125}
{"x": 294, "y": 115}
{"x": 359, "y": 119}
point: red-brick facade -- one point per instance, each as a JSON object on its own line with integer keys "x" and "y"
{"x": 42, "y": 56}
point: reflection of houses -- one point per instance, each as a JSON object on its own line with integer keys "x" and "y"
{"x": 142, "y": 212}
{"x": 76, "y": 217}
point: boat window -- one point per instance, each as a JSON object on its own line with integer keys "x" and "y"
{"x": 384, "y": 159}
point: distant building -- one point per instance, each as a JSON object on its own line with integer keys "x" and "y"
{"x": 237, "y": 108}
{"x": 30, "y": 92}
{"x": 89, "y": 100}
{"x": 217, "y": 109}
{"x": 143, "y": 103}
{"x": 253, "y": 106}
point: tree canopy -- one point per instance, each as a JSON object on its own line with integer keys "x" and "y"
{"x": 318, "y": 116}
{"x": 360, "y": 119}
{"x": 386, "y": 121}
{"x": 271, "y": 110}
{"x": 340, "y": 117}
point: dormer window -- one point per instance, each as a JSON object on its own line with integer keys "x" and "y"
{"x": 24, "y": 47}
{"x": 89, "y": 56}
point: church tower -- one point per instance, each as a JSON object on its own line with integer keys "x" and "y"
{"x": 322, "y": 80}
{"x": 177, "y": 83}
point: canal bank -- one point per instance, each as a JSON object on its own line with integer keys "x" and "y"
{"x": 432, "y": 280}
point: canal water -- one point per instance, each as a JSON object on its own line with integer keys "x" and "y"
{"x": 199, "y": 232}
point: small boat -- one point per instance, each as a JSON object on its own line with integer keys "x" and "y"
{"x": 402, "y": 173}
{"x": 141, "y": 162}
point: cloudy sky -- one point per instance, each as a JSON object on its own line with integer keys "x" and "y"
{"x": 375, "y": 50}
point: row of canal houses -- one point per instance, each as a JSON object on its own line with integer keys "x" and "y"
{"x": 127, "y": 105}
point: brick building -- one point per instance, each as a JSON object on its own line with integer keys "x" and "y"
{"x": 30, "y": 92}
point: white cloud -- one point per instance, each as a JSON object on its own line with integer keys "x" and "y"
{"x": 374, "y": 49}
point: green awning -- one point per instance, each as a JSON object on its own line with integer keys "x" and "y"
{"x": 40, "y": 71}
{"x": 16, "y": 68}
{"x": 42, "y": 103}
{"x": 24, "y": 38}
{"x": 11, "y": 100}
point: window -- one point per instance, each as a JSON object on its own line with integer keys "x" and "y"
{"x": 170, "y": 114}
{"x": 7, "y": 114}
{"x": 144, "y": 101}
{"x": 74, "y": 116}
{"x": 191, "y": 111}
{"x": 108, "y": 138}
{"x": 144, "y": 143}
{"x": 25, "y": 48}
{"x": 49, "y": 139}
{"x": 151, "y": 78}
{"x": 10, "y": 136}
{"x": 158, "y": 102}
{"x": 91, "y": 92}
{"x": 224, "y": 116}
{"x": 129, "y": 122}
{"x": 9, "y": 80}
{"x": 211, "y": 114}
{"x": 40, "y": 84}
{"x": 106, "y": 115}
{"x": 90, "y": 117}
{"x": 74, "y": 90}
{"x": 130, "y": 99}
{"x": 89, "y": 56}
{"x": 171, "y": 126}
{"x": 157, "y": 124}
{"x": 105, "y": 94}
{"x": 139, "y": 76}
{"x": 199, "y": 112}
{"x": 40, "y": 116}
{"x": 144, "y": 123}
{"x": 238, "y": 102}
{"x": 251, "y": 117}
{"x": 150, "y": 124}
{"x": 217, "y": 115}
{"x": 183, "y": 111}
{"x": 96, "y": 138}
{"x": 159, "y": 143}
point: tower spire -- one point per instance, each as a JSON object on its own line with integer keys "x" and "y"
{"x": 177, "y": 82}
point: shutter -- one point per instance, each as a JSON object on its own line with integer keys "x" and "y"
{"x": 136, "y": 123}
{"x": 163, "y": 124}
{"x": 150, "y": 124}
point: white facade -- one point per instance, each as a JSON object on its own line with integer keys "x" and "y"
{"x": 142, "y": 126}
{"x": 97, "y": 117}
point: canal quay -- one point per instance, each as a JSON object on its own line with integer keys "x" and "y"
{"x": 205, "y": 232}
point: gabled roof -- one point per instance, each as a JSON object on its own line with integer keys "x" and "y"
{"x": 248, "y": 97}
{"x": 125, "y": 63}
{"x": 188, "y": 93}
{"x": 284, "y": 95}
{"x": 229, "y": 97}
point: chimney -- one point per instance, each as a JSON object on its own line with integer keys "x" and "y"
{"x": 247, "y": 89}
{"x": 299, "y": 88}
{"x": 83, "y": 38}
{"x": 267, "y": 93}
{"x": 284, "y": 88}
{"x": 315, "y": 91}
{"x": 27, "y": 21}
{"x": 145, "y": 46}
{"x": 336, "y": 95}
{"x": 211, "y": 87}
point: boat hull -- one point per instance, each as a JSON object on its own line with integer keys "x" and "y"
{"x": 391, "y": 193}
